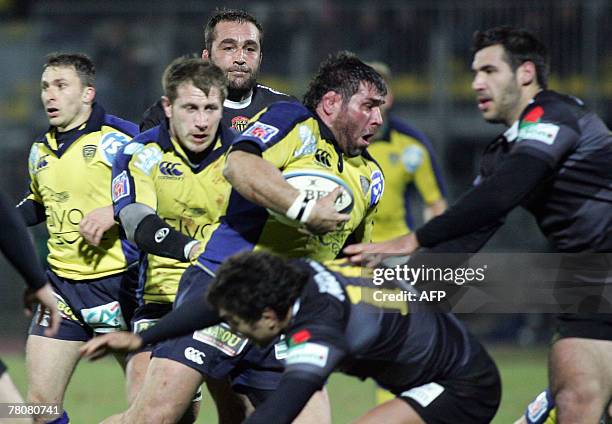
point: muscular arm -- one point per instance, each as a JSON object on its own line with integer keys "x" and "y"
{"x": 259, "y": 181}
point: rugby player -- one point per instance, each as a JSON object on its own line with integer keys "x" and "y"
{"x": 233, "y": 40}
{"x": 341, "y": 113}
{"x": 70, "y": 172}
{"x": 554, "y": 159}
{"x": 408, "y": 161}
{"x": 437, "y": 370}
{"x": 16, "y": 245}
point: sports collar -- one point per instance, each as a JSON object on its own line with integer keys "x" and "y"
{"x": 242, "y": 104}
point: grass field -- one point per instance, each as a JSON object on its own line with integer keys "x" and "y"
{"x": 97, "y": 389}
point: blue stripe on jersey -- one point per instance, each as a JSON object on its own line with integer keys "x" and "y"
{"x": 130, "y": 251}
{"x": 238, "y": 231}
{"x": 400, "y": 126}
{"x": 282, "y": 116}
{"x": 142, "y": 277}
{"x": 122, "y": 125}
{"x": 409, "y": 191}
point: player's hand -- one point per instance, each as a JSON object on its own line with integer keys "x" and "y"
{"x": 48, "y": 306}
{"x": 96, "y": 223}
{"x": 121, "y": 341}
{"x": 324, "y": 217}
{"x": 371, "y": 254}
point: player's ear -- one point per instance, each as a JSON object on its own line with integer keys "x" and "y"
{"x": 269, "y": 317}
{"x": 167, "y": 106}
{"x": 89, "y": 94}
{"x": 205, "y": 54}
{"x": 331, "y": 102}
{"x": 526, "y": 73}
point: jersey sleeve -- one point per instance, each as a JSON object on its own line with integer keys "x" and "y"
{"x": 273, "y": 131}
{"x": 547, "y": 130}
{"x": 33, "y": 162}
{"x": 133, "y": 175}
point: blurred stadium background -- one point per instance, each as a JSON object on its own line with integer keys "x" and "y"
{"x": 426, "y": 43}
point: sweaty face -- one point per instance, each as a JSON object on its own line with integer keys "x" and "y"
{"x": 262, "y": 332}
{"x": 66, "y": 101}
{"x": 496, "y": 86}
{"x": 194, "y": 116}
{"x": 236, "y": 50}
{"x": 358, "y": 120}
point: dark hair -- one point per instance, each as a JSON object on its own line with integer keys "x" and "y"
{"x": 81, "y": 63}
{"x": 201, "y": 73}
{"x": 229, "y": 15}
{"x": 247, "y": 283}
{"x": 342, "y": 73}
{"x": 519, "y": 46}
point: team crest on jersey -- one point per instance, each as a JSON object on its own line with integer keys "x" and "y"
{"x": 89, "y": 152}
{"x": 110, "y": 145}
{"x": 412, "y": 157}
{"x": 309, "y": 142}
{"x": 121, "y": 186}
{"x": 378, "y": 186}
{"x": 261, "y": 131}
{"x": 239, "y": 123}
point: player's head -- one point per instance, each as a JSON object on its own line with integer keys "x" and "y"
{"x": 510, "y": 65}
{"x": 254, "y": 293}
{"x": 67, "y": 89}
{"x": 232, "y": 41}
{"x": 347, "y": 94}
{"x": 385, "y": 72}
{"x": 194, "y": 91}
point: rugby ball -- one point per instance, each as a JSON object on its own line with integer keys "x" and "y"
{"x": 316, "y": 185}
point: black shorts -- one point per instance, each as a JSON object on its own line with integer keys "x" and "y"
{"x": 217, "y": 352}
{"x": 472, "y": 396}
{"x": 2, "y": 368}
{"x": 584, "y": 325}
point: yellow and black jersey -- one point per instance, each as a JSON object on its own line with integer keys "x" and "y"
{"x": 293, "y": 138}
{"x": 155, "y": 171}
{"x": 407, "y": 160}
{"x": 70, "y": 176}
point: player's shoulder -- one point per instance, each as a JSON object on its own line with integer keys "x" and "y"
{"x": 550, "y": 106}
{"x": 114, "y": 124}
{"x": 268, "y": 94}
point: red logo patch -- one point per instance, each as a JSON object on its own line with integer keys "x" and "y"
{"x": 300, "y": 337}
{"x": 534, "y": 115}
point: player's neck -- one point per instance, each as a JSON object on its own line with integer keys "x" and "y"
{"x": 80, "y": 119}
{"x": 239, "y": 96}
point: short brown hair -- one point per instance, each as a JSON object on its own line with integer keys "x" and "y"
{"x": 82, "y": 64}
{"x": 229, "y": 15}
{"x": 201, "y": 73}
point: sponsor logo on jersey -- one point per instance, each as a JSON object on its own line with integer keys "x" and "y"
{"x": 189, "y": 211}
{"x": 105, "y": 318}
{"x": 378, "y": 187}
{"x": 261, "y": 131}
{"x": 161, "y": 234}
{"x": 132, "y": 148}
{"x": 308, "y": 353}
{"x": 412, "y": 157}
{"x": 56, "y": 196}
{"x": 301, "y": 336}
{"x": 147, "y": 158}
{"x": 281, "y": 349}
{"x": 309, "y": 142}
{"x": 110, "y": 145}
{"x": 121, "y": 186}
{"x": 143, "y": 324}
{"x": 170, "y": 169}
{"x": 194, "y": 355}
{"x": 365, "y": 184}
{"x": 239, "y": 123}
{"x": 89, "y": 152}
{"x": 424, "y": 394}
{"x": 543, "y": 132}
{"x": 221, "y": 337}
{"x": 538, "y": 407}
{"x": 323, "y": 158}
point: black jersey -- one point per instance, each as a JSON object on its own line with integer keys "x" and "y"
{"x": 236, "y": 115}
{"x": 339, "y": 322}
{"x": 573, "y": 205}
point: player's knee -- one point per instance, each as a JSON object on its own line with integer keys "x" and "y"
{"x": 581, "y": 398}
{"x": 155, "y": 413}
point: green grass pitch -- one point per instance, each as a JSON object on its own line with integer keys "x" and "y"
{"x": 97, "y": 389}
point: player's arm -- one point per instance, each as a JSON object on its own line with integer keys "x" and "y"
{"x": 134, "y": 199}
{"x": 434, "y": 209}
{"x": 482, "y": 206}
